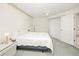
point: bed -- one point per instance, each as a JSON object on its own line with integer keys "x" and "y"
{"x": 34, "y": 39}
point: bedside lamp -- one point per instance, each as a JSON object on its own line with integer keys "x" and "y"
{"x": 7, "y": 38}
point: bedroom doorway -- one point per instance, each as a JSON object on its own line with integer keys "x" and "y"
{"x": 76, "y": 30}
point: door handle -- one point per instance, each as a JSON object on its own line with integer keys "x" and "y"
{"x": 74, "y": 40}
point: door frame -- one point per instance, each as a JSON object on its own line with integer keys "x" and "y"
{"x": 75, "y": 34}
{"x": 75, "y": 31}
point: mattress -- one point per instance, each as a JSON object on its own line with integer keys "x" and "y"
{"x": 34, "y": 39}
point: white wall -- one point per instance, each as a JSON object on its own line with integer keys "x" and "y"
{"x": 62, "y": 28}
{"x": 41, "y": 24}
{"x": 67, "y": 25}
{"x": 54, "y": 27}
{"x": 12, "y": 20}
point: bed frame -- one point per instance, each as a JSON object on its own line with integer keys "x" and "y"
{"x": 41, "y": 48}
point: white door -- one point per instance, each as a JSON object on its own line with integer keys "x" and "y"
{"x": 54, "y": 27}
{"x": 77, "y": 30}
{"x": 67, "y": 32}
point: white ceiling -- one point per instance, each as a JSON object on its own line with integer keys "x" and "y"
{"x": 44, "y": 9}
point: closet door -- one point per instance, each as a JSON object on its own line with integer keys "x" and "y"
{"x": 67, "y": 29}
{"x": 54, "y": 27}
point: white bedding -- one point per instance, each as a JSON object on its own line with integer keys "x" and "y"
{"x": 35, "y": 39}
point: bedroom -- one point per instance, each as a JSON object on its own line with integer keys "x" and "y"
{"x": 49, "y": 29}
